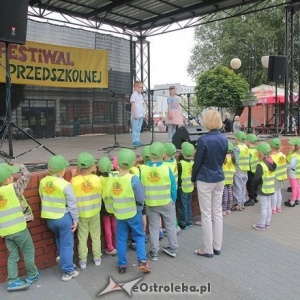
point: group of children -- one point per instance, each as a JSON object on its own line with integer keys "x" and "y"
{"x": 116, "y": 193}
{"x": 260, "y": 171}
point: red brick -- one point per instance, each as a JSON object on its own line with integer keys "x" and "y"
{"x": 39, "y": 252}
{"x": 3, "y": 254}
{"x": 32, "y": 194}
{"x": 38, "y": 229}
{"x": 50, "y": 249}
{"x": 36, "y": 237}
{"x": 44, "y": 243}
{"x": 47, "y": 234}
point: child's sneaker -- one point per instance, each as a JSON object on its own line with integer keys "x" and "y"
{"x": 224, "y": 213}
{"x": 132, "y": 246}
{"x": 68, "y": 276}
{"x": 259, "y": 227}
{"x": 161, "y": 234}
{"x": 34, "y": 278}
{"x": 144, "y": 267}
{"x": 17, "y": 285}
{"x": 97, "y": 262}
{"x": 289, "y": 203}
{"x": 178, "y": 229}
{"x": 183, "y": 226}
{"x": 267, "y": 226}
{"x": 228, "y": 211}
{"x": 189, "y": 225}
{"x": 122, "y": 270}
{"x": 82, "y": 264}
{"x": 57, "y": 259}
{"x": 274, "y": 211}
{"x": 112, "y": 252}
{"x": 278, "y": 209}
{"x": 169, "y": 251}
{"x": 152, "y": 255}
{"x": 297, "y": 202}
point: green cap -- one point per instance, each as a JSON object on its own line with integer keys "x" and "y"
{"x": 104, "y": 165}
{"x": 294, "y": 141}
{"x": 263, "y": 147}
{"x": 126, "y": 158}
{"x": 57, "y": 163}
{"x": 145, "y": 153}
{"x": 187, "y": 149}
{"x": 252, "y": 138}
{"x": 157, "y": 150}
{"x": 170, "y": 148}
{"x": 85, "y": 160}
{"x": 275, "y": 143}
{"x": 241, "y": 136}
{"x": 230, "y": 147}
{"x": 6, "y": 171}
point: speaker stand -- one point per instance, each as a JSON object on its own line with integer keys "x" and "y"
{"x": 7, "y": 131}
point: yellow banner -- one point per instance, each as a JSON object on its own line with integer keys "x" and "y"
{"x": 56, "y": 66}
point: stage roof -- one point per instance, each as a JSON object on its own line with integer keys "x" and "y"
{"x": 143, "y": 17}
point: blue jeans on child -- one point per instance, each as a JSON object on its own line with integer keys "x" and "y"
{"x": 136, "y": 130}
{"x": 185, "y": 208}
{"x": 133, "y": 225}
{"x": 64, "y": 240}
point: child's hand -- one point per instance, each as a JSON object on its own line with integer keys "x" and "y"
{"x": 74, "y": 227}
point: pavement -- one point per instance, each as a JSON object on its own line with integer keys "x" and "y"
{"x": 253, "y": 264}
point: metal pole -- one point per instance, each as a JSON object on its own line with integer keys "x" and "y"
{"x": 251, "y": 58}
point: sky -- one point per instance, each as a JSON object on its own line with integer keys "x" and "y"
{"x": 169, "y": 57}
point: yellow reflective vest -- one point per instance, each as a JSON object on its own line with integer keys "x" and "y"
{"x": 297, "y": 169}
{"x": 88, "y": 193}
{"x": 120, "y": 189}
{"x": 107, "y": 200}
{"x": 253, "y": 159}
{"x": 228, "y": 169}
{"x": 52, "y": 195}
{"x": 12, "y": 219}
{"x": 157, "y": 184}
{"x": 268, "y": 179}
{"x": 187, "y": 185}
{"x": 134, "y": 170}
{"x": 244, "y": 158}
{"x": 281, "y": 169}
{"x": 173, "y": 166}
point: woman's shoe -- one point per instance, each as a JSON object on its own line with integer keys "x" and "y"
{"x": 199, "y": 253}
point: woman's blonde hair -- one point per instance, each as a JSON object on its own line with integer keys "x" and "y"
{"x": 227, "y": 115}
{"x": 212, "y": 120}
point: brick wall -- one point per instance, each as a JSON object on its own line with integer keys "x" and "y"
{"x": 43, "y": 238}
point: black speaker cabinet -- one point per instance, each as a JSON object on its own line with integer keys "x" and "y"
{"x": 186, "y": 134}
{"x": 13, "y": 21}
{"x": 277, "y": 68}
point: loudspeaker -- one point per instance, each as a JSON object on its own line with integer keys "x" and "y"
{"x": 277, "y": 68}
{"x": 13, "y": 21}
{"x": 186, "y": 134}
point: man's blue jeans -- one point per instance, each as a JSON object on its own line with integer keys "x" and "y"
{"x": 136, "y": 129}
{"x": 185, "y": 208}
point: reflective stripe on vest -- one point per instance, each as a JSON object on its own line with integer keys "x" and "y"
{"x": 108, "y": 200}
{"x": 244, "y": 159}
{"x": 12, "y": 219}
{"x": 157, "y": 184}
{"x": 88, "y": 193}
{"x": 253, "y": 159}
{"x": 187, "y": 185}
{"x": 120, "y": 189}
{"x": 173, "y": 166}
{"x": 268, "y": 178}
{"x": 228, "y": 170}
{"x": 53, "y": 199}
{"x": 281, "y": 169}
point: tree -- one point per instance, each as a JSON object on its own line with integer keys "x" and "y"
{"x": 256, "y": 34}
{"x": 221, "y": 87}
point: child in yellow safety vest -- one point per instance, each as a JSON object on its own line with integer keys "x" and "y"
{"x": 242, "y": 161}
{"x": 264, "y": 184}
{"x": 229, "y": 171}
{"x": 13, "y": 227}
{"x": 59, "y": 208}
{"x": 128, "y": 195}
{"x": 251, "y": 140}
{"x": 107, "y": 213}
{"x": 171, "y": 162}
{"x": 185, "y": 185}
{"x": 280, "y": 174}
{"x": 161, "y": 194}
{"x": 293, "y": 168}
{"x": 88, "y": 192}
